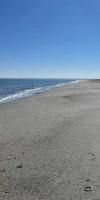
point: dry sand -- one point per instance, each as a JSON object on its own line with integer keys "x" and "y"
{"x": 50, "y": 145}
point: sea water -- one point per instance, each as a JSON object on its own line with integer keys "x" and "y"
{"x": 12, "y": 89}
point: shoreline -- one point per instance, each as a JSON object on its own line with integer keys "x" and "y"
{"x": 32, "y": 92}
{"x": 50, "y": 145}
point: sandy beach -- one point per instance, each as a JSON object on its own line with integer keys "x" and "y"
{"x": 50, "y": 145}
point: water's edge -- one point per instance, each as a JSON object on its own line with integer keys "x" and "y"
{"x": 32, "y": 92}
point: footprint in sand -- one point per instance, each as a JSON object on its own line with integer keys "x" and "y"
{"x": 87, "y": 180}
{"x": 87, "y": 187}
{"x": 93, "y": 157}
{"x": 2, "y": 170}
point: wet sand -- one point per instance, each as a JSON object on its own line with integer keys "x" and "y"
{"x": 50, "y": 145}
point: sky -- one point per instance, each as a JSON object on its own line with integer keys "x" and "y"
{"x": 50, "y": 38}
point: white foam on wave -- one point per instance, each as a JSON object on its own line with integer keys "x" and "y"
{"x": 60, "y": 85}
{"x": 21, "y": 94}
{"x": 76, "y": 81}
{"x": 70, "y": 82}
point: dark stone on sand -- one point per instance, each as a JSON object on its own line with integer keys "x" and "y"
{"x": 87, "y": 189}
{"x": 19, "y": 166}
{"x": 6, "y": 191}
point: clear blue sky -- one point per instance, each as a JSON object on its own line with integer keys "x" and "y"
{"x": 50, "y": 38}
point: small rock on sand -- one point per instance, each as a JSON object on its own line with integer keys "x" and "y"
{"x": 19, "y": 166}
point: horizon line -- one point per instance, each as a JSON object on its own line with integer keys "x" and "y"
{"x": 43, "y": 78}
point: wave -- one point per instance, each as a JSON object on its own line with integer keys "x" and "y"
{"x": 31, "y": 92}
{"x": 21, "y": 94}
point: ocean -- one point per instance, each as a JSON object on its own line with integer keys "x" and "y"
{"x": 12, "y": 89}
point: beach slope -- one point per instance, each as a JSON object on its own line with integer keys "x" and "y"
{"x": 50, "y": 145}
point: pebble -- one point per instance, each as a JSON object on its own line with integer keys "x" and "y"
{"x": 19, "y": 166}
{"x": 87, "y": 189}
